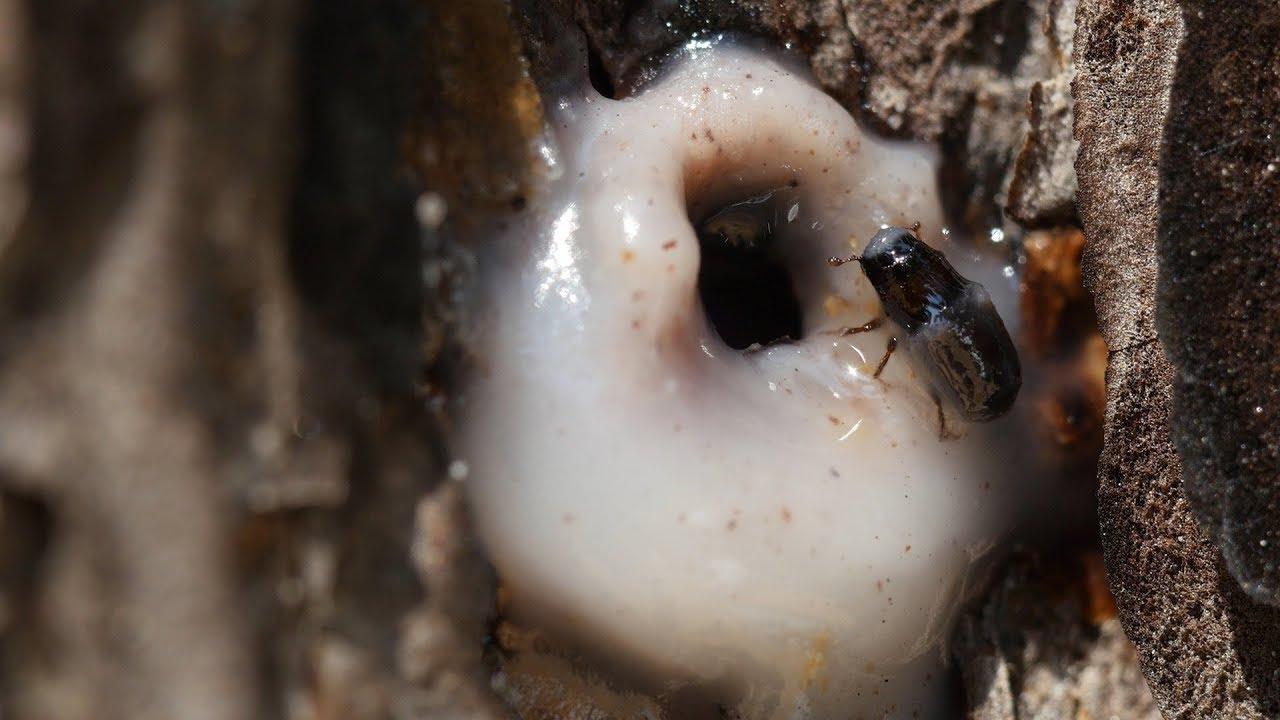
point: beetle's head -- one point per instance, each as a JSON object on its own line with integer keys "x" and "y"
{"x": 892, "y": 258}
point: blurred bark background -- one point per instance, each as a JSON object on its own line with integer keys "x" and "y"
{"x": 220, "y": 467}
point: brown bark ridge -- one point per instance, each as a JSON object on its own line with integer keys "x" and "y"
{"x": 220, "y": 489}
{"x": 1206, "y": 649}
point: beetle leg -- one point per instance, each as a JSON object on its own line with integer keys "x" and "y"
{"x": 867, "y": 326}
{"x": 837, "y": 262}
{"x": 893, "y": 345}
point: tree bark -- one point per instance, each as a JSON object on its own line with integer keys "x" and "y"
{"x": 221, "y": 480}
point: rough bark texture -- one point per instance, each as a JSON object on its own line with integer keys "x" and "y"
{"x": 219, "y": 496}
{"x": 957, "y": 71}
{"x": 1206, "y": 648}
{"x": 1219, "y": 248}
{"x": 1045, "y": 644}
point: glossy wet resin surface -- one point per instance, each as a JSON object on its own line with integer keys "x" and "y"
{"x": 772, "y": 522}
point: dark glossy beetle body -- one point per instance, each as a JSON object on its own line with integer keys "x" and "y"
{"x": 949, "y": 320}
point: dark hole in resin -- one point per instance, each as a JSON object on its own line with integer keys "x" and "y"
{"x": 743, "y": 279}
{"x": 598, "y": 75}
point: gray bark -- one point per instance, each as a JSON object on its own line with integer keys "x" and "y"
{"x": 220, "y": 479}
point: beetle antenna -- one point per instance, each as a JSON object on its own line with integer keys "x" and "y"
{"x": 837, "y": 262}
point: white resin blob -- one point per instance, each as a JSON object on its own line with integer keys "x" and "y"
{"x": 778, "y": 526}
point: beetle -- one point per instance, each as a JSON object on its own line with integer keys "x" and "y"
{"x": 950, "y": 323}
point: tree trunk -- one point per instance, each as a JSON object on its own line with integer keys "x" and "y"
{"x": 220, "y": 473}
